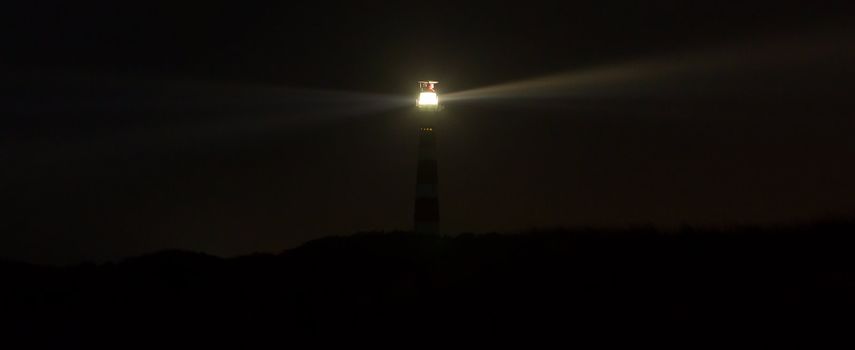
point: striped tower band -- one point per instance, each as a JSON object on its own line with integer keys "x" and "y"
{"x": 427, "y": 204}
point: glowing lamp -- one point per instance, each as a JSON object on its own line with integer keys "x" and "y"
{"x": 428, "y": 99}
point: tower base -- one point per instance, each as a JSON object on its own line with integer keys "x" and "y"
{"x": 428, "y": 228}
{"x": 426, "y": 215}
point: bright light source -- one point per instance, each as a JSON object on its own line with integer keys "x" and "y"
{"x": 428, "y": 99}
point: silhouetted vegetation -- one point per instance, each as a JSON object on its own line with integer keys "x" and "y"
{"x": 550, "y": 282}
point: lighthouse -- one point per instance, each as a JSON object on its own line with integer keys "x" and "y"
{"x": 426, "y": 215}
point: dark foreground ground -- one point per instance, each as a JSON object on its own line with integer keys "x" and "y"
{"x": 387, "y": 285}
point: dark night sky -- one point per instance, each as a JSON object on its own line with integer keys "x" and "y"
{"x": 136, "y": 126}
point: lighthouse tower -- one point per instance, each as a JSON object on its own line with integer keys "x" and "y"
{"x": 426, "y": 218}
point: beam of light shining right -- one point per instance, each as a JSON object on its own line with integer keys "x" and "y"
{"x": 674, "y": 74}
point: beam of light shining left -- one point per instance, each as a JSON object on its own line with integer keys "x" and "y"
{"x": 146, "y": 114}
{"x": 84, "y": 93}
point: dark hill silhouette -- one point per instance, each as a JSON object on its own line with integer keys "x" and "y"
{"x": 382, "y": 284}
